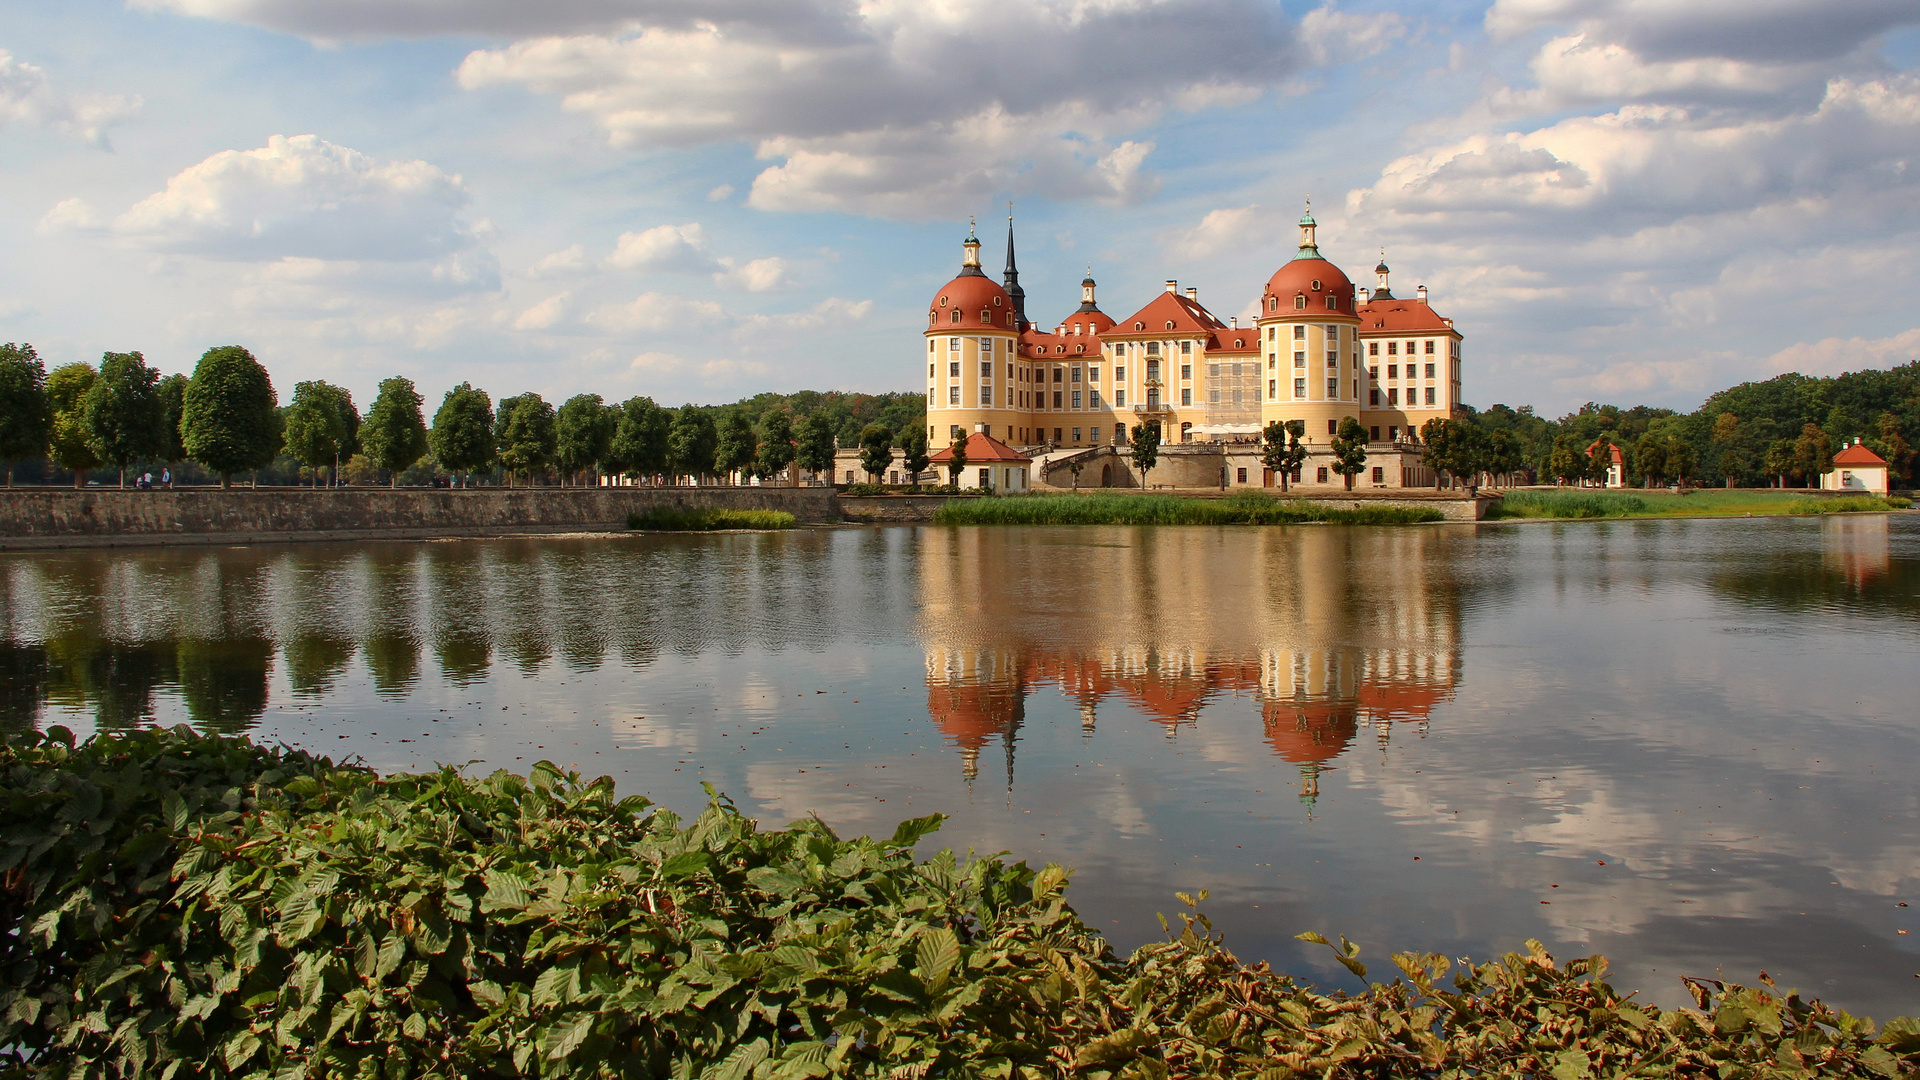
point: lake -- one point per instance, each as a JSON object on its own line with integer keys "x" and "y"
{"x": 1690, "y": 745}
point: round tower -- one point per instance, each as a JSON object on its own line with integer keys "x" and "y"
{"x": 972, "y": 343}
{"x": 1309, "y": 342}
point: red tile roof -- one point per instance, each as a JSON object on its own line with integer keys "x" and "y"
{"x": 1858, "y": 455}
{"x": 1400, "y": 317}
{"x": 1187, "y": 316}
{"x": 982, "y": 449}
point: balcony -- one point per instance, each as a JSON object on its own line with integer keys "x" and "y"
{"x": 1152, "y": 408}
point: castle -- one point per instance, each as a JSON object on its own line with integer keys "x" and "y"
{"x": 1319, "y": 351}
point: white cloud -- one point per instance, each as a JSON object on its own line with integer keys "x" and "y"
{"x": 1220, "y": 230}
{"x": 544, "y": 315}
{"x": 29, "y": 99}
{"x": 658, "y": 311}
{"x": 833, "y": 311}
{"x": 571, "y": 259}
{"x": 721, "y": 193}
{"x": 1766, "y": 31}
{"x": 72, "y": 215}
{"x": 910, "y": 110}
{"x": 1831, "y": 356}
{"x": 305, "y": 197}
{"x": 759, "y": 275}
{"x": 664, "y": 247}
{"x": 1332, "y": 36}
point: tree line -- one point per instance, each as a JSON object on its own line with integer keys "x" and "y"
{"x": 226, "y": 419}
{"x": 1781, "y": 432}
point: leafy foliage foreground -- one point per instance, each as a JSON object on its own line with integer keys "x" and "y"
{"x": 186, "y": 906}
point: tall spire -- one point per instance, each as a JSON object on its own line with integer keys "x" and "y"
{"x": 1380, "y": 273}
{"x": 1011, "y": 282}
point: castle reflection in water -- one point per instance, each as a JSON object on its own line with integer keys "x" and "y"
{"x": 1321, "y": 632}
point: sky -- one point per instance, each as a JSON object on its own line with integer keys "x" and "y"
{"x": 1629, "y": 201}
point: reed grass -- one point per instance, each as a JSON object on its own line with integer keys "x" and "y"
{"x": 670, "y": 519}
{"x": 1576, "y": 503}
{"x": 1246, "y": 508}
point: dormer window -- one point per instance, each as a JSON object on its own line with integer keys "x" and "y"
{"x": 1139, "y": 326}
{"x": 986, "y": 316}
{"x": 1169, "y": 324}
{"x": 1333, "y": 302}
{"x": 956, "y": 314}
{"x": 1316, "y": 284}
{"x": 1300, "y": 302}
{"x": 996, "y": 301}
{"x": 943, "y": 301}
{"x": 1273, "y": 303}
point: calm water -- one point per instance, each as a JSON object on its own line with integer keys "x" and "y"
{"x": 1690, "y": 745}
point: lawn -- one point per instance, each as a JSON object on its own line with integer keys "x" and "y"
{"x": 1701, "y": 502}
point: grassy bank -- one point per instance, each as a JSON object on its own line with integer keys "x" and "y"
{"x": 667, "y": 519}
{"x": 1703, "y": 502}
{"x": 177, "y": 905}
{"x": 1244, "y": 508}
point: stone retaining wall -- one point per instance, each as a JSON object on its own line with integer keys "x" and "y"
{"x": 876, "y": 509}
{"x": 53, "y": 517}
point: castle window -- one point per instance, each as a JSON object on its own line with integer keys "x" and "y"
{"x": 1316, "y": 284}
{"x": 1139, "y": 326}
{"x": 1078, "y": 349}
{"x": 1186, "y": 348}
{"x": 1373, "y": 348}
{"x": 1429, "y": 346}
{"x": 956, "y": 315}
{"x": 1429, "y": 371}
{"x": 1333, "y": 388}
{"x": 1429, "y": 395}
{"x": 1333, "y": 302}
{"x": 1186, "y": 396}
{"x": 986, "y": 369}
{"x": 1393, "y": 348}
{"x": 1093, "y": 374}
{"x": 1300, "y": 302}
{"x": 1213, "y": 371}
{"x": 1119, "y": 374}
{"x": 1373, "y": 398}
{"x": 986, "y": 344}
{"x": 929, "y": 344}
{"x": 1153, "y": 348}
{"x": 1300, "y": 388}
{"x": 953, "y": 369}
{"x": 1076, "y": 374}
{"x": 1393, "y": 371}
{"x": 996, "y": 301}
{"x": 1059, "y": 374}
{"x": 953, "y": 395}
{"x": 929, "y": 371}
{"x": 943, "y": 301}
{"x": 1119, "y": 399}
{"x": 1093, "y": 398}
{"x": 1300, "y": 333}
{"x": 953, "y": 344}
{"x": 1393, "y": 396}
{"x": 1169, "y": 324}
{"x": 986, "y": 395}
{"x": 1213, "y": 397}
{"x": 986, "y": 316}
{"x": 1300, "y": 358}
{"x": 1412, "y": 347}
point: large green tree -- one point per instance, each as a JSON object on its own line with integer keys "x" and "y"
{"x": 640, "y": 438}
{"x": 1567, "y": 463}
{"x": 815, "y": 452}
{"x": 67, "y": 441}
{"x": 913, "y": 445}
{"x": 527, "y": 438}
{"x": 462, "y": 435}
{"x": 125, "y": 418}
{"x": 1349, "y": 449}
{"x": 583, "y": 435}
{"x": 876, "y": 451}
{"x": 321, "y": 423}
{"x": 776, "y": 446}
{"x": 1650, "y": 458}
{"x": 230, "y": 418}
{"x": 956, "y": 460}
{"x": 394, "y": 434}
{"x": 1812, "y": 454}
{"x": 1146, "y": 449}
{"x": 173, "y": 405}
{"x": 691, "y": 443}
{"x": 734, "y": 442}
{"x": 25, "y": 417}
{"x": 1281, "y": 451}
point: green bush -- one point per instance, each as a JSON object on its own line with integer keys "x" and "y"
{"x": 1244, "y": 508}
{"x": 1899, "y": 502}
{"x": 187, "y": 906}
{"x": 1847, "y": 504}
{"x": 670, "y": 519}
{"x": 866, "y": 489}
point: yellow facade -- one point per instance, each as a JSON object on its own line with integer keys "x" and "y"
{"x": 1091, "y": 380}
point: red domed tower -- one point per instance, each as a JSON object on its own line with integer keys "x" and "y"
{"x": 972, "y": 334}
{"x": 1309, "y": 342}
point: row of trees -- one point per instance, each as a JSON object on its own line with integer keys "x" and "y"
{"x": 226, "y": 418}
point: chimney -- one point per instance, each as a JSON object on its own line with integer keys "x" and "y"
{"x": 1233, "y": 322}
{"x": 1173, "y": 286}
{"x": 1193, "y": 295}
{"x": 981, "y": 428}
{"x": 1365, "y": 295}
{"x": 1420, "y": 294}
{"x": 1060, "y": 331}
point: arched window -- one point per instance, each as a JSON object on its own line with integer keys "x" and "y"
{"x": 1300, "y": 302}
{"x": 1079, "y": 348}
{"x": 986, "y": 316}
{"x": 1273, "y": 303}
{"x": 1169, "y": 324}
{"x": 1139, "y": 326}
{"x": 1333, "y": 302}
{"x": 956, "y": 314}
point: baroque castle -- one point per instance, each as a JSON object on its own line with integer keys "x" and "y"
{"x": 1320, "y": 350}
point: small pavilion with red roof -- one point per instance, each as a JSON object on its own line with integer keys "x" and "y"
{"x": 1856, "y": 469}
{"x": 987, "y": 464}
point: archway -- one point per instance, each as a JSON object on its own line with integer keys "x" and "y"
{"x": 1106, "y": 476}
